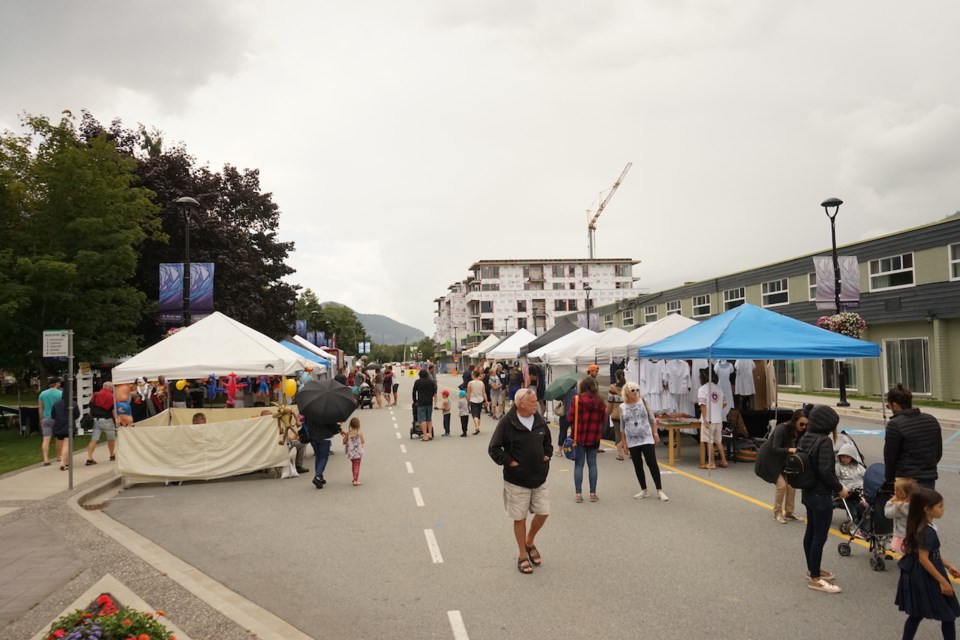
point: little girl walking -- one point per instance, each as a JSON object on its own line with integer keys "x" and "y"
{"x": 353, "y": 442}
{"x": 898, "y": 508}
{"x": 924, "y": 590}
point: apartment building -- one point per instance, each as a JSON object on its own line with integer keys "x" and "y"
{"x": 502, "y": 296}
{"x": 910, "y": 299}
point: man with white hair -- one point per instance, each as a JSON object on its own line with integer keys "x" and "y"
{"x": 521, "y": 444}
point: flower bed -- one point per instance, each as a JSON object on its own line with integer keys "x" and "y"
{"x": 106, "y": 619}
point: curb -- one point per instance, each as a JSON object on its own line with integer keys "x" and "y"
{"x": 245, "y": 613}
{"x": 870, "y": 414}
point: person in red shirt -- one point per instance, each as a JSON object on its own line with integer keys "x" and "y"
{"x": 101, "y": 410}
{"x": 587, "y": 415}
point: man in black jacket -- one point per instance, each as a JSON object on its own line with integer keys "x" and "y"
{"x": 521, "y": 445}
{"x": 913, "y": 445}
{"x": 424, "y": 391}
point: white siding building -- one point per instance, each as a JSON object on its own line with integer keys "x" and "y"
{"x": 501, "y": 296}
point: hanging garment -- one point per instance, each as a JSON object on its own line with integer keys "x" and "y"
{"x": 724, "y": 370}
{"x": 744, "y": 382}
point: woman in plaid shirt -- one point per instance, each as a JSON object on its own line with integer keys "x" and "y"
{"x": 587, "y": 415}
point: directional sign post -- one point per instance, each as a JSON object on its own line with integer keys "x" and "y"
{"x": 59, "y": 344}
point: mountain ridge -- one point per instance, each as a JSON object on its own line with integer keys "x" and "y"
{"x": 384, "y": 329}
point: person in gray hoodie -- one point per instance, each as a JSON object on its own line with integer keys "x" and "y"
{"x": 817, "y": 444}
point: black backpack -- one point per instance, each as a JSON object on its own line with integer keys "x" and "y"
{"x": 799, "y": 470}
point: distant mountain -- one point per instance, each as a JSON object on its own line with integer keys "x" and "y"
{"x": 384, "y": 330}
{"x": 387, "y": 330}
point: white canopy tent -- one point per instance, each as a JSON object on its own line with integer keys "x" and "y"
{"x": 598, "y": 351}
{"x": 489, "y": 342}
{"x": 547, "y": 352}
{"x": 510, "y": 347}
{"x": 312, "y": 348}
{"x": 217, "y": 344}
{"x": 655, "y": 332}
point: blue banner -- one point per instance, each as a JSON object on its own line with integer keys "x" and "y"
{"x": 302, "y": 328}
{"x": 321, "y": 339}
{"x": 171, "y": 291}
{"x": 312, "y": 337}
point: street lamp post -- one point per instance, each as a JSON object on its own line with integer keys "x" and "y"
{"x": 834, "y": 203}
{"x": 588, "y": 289}
{"x": 184, "y": 205}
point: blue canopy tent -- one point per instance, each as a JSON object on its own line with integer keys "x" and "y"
{"x": 309, "y": 355}
{"x": 752, "y": 333}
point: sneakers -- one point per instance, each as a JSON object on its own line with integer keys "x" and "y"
{"x": 793, "y": 517}
{"x": 663, "y": 497}
{"x": 640, "y": 496}
{"x": 444, "y": 435}
{"x": 779, "y": 518}
{"x": 318, "y": 482}
{"x": 822, "y": 585}
{"x": 91, "y": 462}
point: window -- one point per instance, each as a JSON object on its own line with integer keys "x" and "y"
{"x": 774, "y": 293}
{"x": 486, "y": 324}
{"x": 522, "y": 306}
{"x": 533, "y": 286}
{"x": 955, "y": 262}
{"x": 558, "y": 285}
{"x": 831, "y": 374}
{"x": 908, "y": 362}
{"x": 623, "y": 285}
{"x": 701, "y": 305}
{"x": 607, "y": 320}
{"x": 521, "y": 323}
{"x": 559, "y": 305}
{"x": 673, "y": 307}
{"x": 586, "y": 270}
{"x": 490, "y": 286}
{"x": 812, "y": 285}
{"x": 623, "y": 270}
{"x": 628, "y": 317}
{"x": 572, "y": 271}
{"x": 891, "y": 273}
{"x": 486, "y": 306}
{"x": 650, "y": 313}
{"x": 573, "y": 285}
{"x": 489, "y": 272}
{"x": 571, "y": 305}
{"x": 733, "y": 298}
{"x": 558, "y": 271}
{"x": 788, "y": 372}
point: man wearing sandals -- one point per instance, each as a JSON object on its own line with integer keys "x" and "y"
{"x": 521, "y": 444}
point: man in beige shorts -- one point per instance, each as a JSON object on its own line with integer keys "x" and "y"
{"x": 521, "y": 444}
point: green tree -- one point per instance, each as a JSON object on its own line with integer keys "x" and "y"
{"x": 74, "y": 216}
{"x": 235, "y": 228}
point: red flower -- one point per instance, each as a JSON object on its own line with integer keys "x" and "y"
{"x": 58, "y": 633}
{"x": 160, "y": 613}
{"x": 143, "y": 636}
{"x": 104, "y": 599}
{"x": 126, "y": 622}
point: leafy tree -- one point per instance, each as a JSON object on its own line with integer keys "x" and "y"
{"x": 73, "y": 215}
{"x": 342, "y": 321}
{"x": 234, "y": 227}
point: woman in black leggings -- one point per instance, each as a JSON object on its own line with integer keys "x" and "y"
{"x": 640, "y": 438}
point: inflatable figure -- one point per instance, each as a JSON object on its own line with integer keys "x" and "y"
{"x": 124, "y": 410}
{"x": 263, "y": 388}
{"x": 231, "y": 388}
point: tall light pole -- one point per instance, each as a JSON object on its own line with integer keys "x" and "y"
{"x": 588, "y": 289}
{"x": 834, "y": 203}
{"x": 184, "y": 204}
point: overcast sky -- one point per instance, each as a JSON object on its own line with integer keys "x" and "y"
{"x": 405, "y": 140}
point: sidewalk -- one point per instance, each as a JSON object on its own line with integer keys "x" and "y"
{"x": 868, "y": 409}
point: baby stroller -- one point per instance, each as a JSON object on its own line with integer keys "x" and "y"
{"x": 415, "y": 427}
{"x": 365, "y": 396}
{"x": 873, "y": 527}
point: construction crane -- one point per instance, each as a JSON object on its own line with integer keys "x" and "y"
{"x": 592, "y": 225}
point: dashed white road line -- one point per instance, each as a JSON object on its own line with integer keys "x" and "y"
{"x": 403, "y": 448}
{"x": 433, "y": 546}
{"x": 456, "y": 624}
{"x": 418, "y": 497}
{"x": 409, "y": 467}
{"x": 398, "y": 435}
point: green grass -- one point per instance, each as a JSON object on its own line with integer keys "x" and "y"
{"x": 17, "y": 452}
{"x": 26, "y": 399}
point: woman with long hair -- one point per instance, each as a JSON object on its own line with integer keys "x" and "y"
{"x": 785, "y": 437}
{"x": 587, "y": 415}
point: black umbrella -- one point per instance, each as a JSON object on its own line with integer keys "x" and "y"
{"x": 325, "y": 401}
{"x": 374, "y": 367}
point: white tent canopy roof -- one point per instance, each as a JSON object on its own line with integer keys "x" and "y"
{"x": 510, "y": 348}
{"x": 547, "y": 352}
{"x": 655, "y": 332}
{"x": 217, "y": 344}
{"x": 488, "y": 343}
{"x": 598, "y": 351}
{"x": 312, "y": 348}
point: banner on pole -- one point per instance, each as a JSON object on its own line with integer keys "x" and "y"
{"x": 171, "y": 291}
{"x": 849, "y": 282}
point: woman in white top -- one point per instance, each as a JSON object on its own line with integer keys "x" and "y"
{"x": 640, "y": 438}
{"x": 476, "y": 397}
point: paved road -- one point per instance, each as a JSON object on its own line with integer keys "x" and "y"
{"x": 352, "y": 562}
